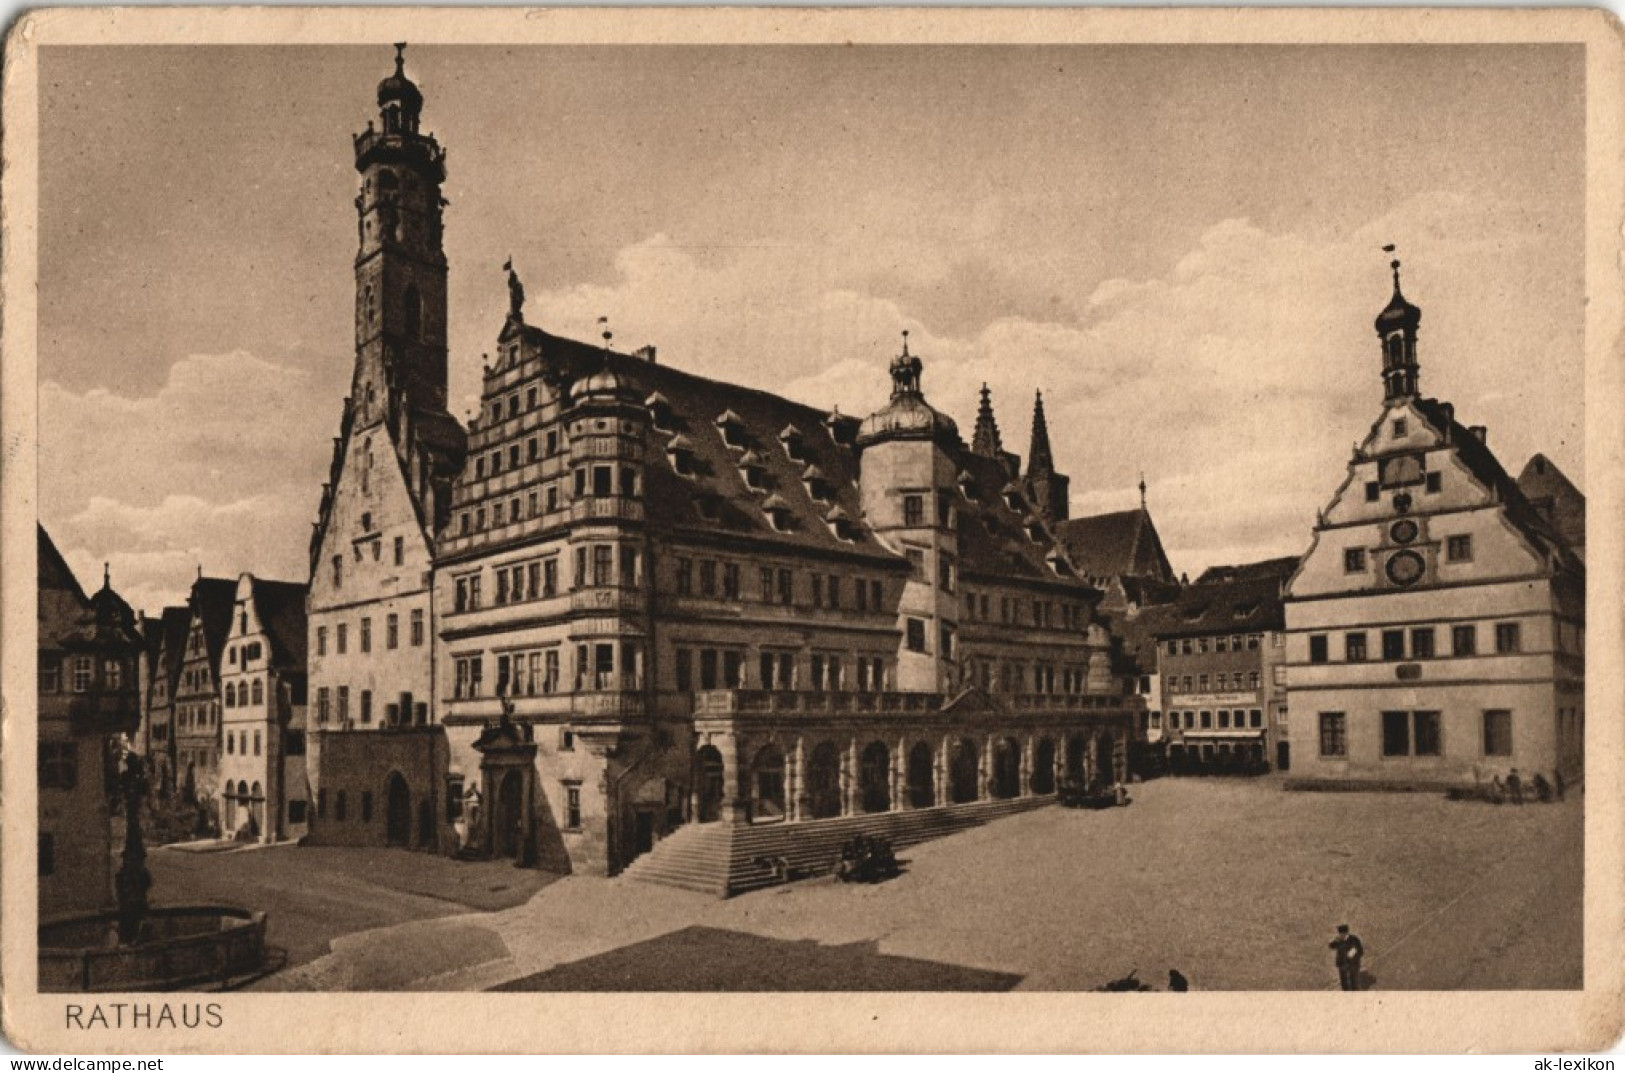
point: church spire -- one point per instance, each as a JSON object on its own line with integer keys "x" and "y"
{"x": 986, "y": 441}
{"x": 1039, "y": 459}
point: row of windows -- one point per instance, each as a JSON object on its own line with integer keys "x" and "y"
{"x": 1013, "y": 611}
{"x": 392, "y": 634}
{"x": 242, "y": 695}
{"x": 250, "y": 651}
{"x": 1457, "y": 549}
{"x": 1185, "y": 646}
{"x": 377, "y": 552}
{"x": 1178, "y": 683}
{"x": 454, "y": 801}
{"x": 1416, "y": 733}
{"x": 535, "y": 448}
{"x": 777, "y": 585}
{"x": 1222, "y": 719}
{"x": 238, "y": 743}
{"x": 589, "y": 481}
{"x": 404, "y": 710}
{"x": 1423, "y": 643}
{"x": 914, "y": 637}
{"x": 600, "y": 666}
{"x": 195, "y": 716}
{"x": 725, "y": 668}
{"x": 510, "y": 404}
{"x": 81, "y": 674}
{"x": 1011, "y": 677}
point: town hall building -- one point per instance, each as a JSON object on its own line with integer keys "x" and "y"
{"x": 629, "y": 601}
{"x": 1436, "y": 625}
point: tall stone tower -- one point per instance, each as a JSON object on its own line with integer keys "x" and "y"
{"x": 400, "y": 266}
{"x": 371, "y": 622}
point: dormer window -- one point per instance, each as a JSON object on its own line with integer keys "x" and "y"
{"x": 753, "y": 467}
{"x": 842, "y": 430}
{"x": 1057, "y": 564}
{"x": 966, "y": 483}
{"x": 778, "y": 512}
{"x": 1012, "y": 497}
{"x": 660, "y": 413}
{"x": 818, "y": 485}
{"x": 794, "y": 445}
{"x": 681, "y": 452}
{"x": 841, "y": 524}
{"x": 732, "y": 427}
{"x": 1035, "y": 531}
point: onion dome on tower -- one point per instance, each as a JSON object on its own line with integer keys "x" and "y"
{"x": 1396, "y": 326}
{"x": 399, "y": 100}
{"x": 907, "y": 416}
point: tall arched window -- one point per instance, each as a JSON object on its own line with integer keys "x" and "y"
{"x": 259, "y": 691}
{"x": 412, "y": 313}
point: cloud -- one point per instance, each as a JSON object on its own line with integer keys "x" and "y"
{"x": 1235, "y": 381}
{"x": 221, "y": 466}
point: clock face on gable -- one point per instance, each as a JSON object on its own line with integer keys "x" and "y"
{"x": 1403, "y": 531}
{"x": 1406, "y": 568}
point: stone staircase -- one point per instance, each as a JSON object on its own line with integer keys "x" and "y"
{"x": 723, "y": 859}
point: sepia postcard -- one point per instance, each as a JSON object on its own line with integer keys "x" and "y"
{"x": 794, "y": 530}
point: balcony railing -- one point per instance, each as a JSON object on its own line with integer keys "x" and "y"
{"x": 596, "y": 508}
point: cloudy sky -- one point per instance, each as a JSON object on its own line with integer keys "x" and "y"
{"x": 1180, "y": 245}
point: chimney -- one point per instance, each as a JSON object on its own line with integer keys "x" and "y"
{"x": 1481, "y": 433}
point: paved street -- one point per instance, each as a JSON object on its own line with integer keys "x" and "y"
{"x": 1235, "y": 883}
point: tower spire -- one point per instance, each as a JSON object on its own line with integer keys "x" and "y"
{"x": 1396, "y": 326}
{"x": 1039, "y": 459}
{"x": 986, "y": 441}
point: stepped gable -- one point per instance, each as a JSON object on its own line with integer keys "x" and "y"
{"x": 1551, "y": 492}
{"x": 1122, "y": 543}
{"x": 715, "y": 498}
{"x": 1487, "y": 470}
{"x": 281, "y": 609}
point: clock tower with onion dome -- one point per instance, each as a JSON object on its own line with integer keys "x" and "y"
{"x": 1435, "y": 627}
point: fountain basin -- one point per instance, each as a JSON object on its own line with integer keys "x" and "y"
{"x": 179, "y": 946}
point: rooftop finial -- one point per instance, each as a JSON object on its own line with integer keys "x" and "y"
{"x": 1393, "y": 264}
{"x": 400, "y": 57}
{"x": 905, "y": 342}
{"x": 107, "y": 575}
{"x": 608, "y": 335}
{"x": 1142, "y": 489}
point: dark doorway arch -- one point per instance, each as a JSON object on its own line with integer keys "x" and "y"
{"x": 874, "y": 780}
{"x": 767, "y": 784}
{"x": 1043, "y": 779}
{"x": 824, "y": 781}
{"x": 922, "y": 790}
{"x": 1006, "y": 768}
{"x": 398, "y": 814}
{"x": 1075, "y": 754}
{"x": 1105, "y": 766}
{"x": 508, "y": 816}
{"x": 966, "y": 772}
{"x": 425, "y": 823}
{"x": 708, "y": 778}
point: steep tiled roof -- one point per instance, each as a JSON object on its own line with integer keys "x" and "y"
{"x": 714, "y": 496}
{"x": 1241, "y": 606}
{"x": 1551, "y": 492}
{"x": 214, "y": 599}
{"x": 1279, "y": 569}
{"x": 173, "y": 626}
{"x": 1487, "y": 470}
{"x": 1122, "y": 543}
{"x": 54, "y": 572}
{"x": 993, "y": 534}
{"x": 281, "y": 609}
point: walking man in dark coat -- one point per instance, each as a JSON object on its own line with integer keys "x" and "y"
{"x": 1350, "y": 951}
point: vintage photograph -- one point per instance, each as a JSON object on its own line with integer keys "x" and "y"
{"x": 764, "y": 516}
